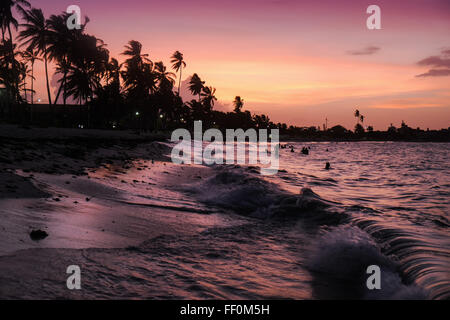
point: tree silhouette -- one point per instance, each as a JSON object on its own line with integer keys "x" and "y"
{"x": 134, "y": 51}
{"x": 238, "y": 103}
{"x": 208, "y": 94}
{"x": 359, "y": 129}
{"x": 6, "y": 16}
{"x": 61, "y": 47}
{"x": 166, "y": 79}
{"x": 138, "y": 77}
{"x": 36, "y": 36}
{"x": 196, "y": 85}
{"x": 112, "y": 72}
{"x": 23, "y": 71}
{"x": 357, "y": 114}
{"x": 359, "y": 117}
{"x": 10, "y": 70}
{"x": 178, "y": 64}
{"x": 7, "y": 20}
{"x": 87, "y": 68}
{"x": 31, "y": 56}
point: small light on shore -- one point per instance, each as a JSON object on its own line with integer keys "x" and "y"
{"x": 161, "y": 116}
{"x": 137, "y": 113}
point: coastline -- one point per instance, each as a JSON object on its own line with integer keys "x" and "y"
{"x": 49, "y": 181}
{"x": 70, "y": 151}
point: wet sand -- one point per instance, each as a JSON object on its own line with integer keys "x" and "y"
{"x": 52, "y": 180}
{"x": 116, "y": 195}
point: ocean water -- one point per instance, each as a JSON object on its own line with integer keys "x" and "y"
{"x": 228, "y": 232}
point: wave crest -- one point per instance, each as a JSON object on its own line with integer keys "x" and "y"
{"x": 339, "y": 262}
{"x": 241, "y": 191}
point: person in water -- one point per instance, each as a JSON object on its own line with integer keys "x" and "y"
{"x": 327, "y": 166}
{"x": 305, "y": 150}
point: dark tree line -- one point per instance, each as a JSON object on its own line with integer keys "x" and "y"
{"x": 139, "y": 93}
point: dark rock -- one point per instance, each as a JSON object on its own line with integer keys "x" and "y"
{"x": 37, "y": 235}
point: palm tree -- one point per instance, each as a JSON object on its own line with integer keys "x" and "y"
{"x": 357, "y": 114}
{"x": 10, "y": 69}
{"x": 138, "y": 77}
{"x": 6, "y": 17}
{"x": 134, "y": 51}
{"x": 178, "y": 64}
{"x": 238, "y": 104}
{"x": 359, "y": 126}
{"x": 196, "y": 85}
{"x": 61, "y": 46}
{"x": 24, "y": 71}
{"x": 112, "y": 71}
{"x": 5, "y": 73}
{"x": 87, "y": 68}
{"x": 31, "y": 56}
{"x": 62, "y": 67}
{"x": 208, "y": 94}
{"x": 166, "y": 79}
{"x": 36, "y": 36}
{"x": 111, "y": 92}
{"x": 7, "y": 20}
{"x": 79, "y": 85}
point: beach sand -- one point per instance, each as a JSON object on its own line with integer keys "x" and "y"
{"x": 54, "y": 180}
{"x": 91, "y": 192}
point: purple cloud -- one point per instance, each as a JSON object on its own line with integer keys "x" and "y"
{"x": 440, "y": 65}
{"x": 435, "y": 73}
{"x": 366, "y": 51}
{"x": 435, "y": 61}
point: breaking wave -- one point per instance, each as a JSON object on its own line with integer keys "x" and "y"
{"x": 411, "y": 266}
{"x": 241, "y": 191}
{"x": 339, "y": 263}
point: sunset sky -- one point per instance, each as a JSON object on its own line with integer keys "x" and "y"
{"x": 297, "y": 61}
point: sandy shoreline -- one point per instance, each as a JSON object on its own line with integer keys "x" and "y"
{"x": 75, "y": 185}
{"x": 119, "y": 196}
{"x": 70, "y": 151}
